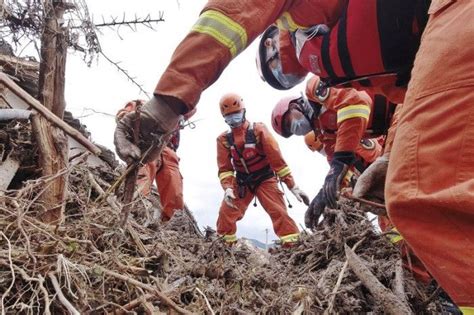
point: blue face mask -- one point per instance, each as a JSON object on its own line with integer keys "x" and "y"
{"x": 234, "y": 120}
{"x": 286, "y": 80}
{"x": 300, "y": 127}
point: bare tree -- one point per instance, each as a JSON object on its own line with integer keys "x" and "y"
{"x": 51, "y": 27}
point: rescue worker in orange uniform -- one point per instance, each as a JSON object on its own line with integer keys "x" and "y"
{"x": 366, "y": 152}
{"x": 430, "y": 178}
{"x": 225, "y": 28}
{"x": 287, "y": 112}
{"x": 249, "y": 163}
{"x": 371, "y": 47}
{"x": 347, "y": 112}
{"x": 164, "y": 170}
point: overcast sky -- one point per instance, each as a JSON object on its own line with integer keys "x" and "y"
{"x": 145, "y": 54}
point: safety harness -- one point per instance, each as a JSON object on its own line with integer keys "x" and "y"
{"x": 252, "y": 167}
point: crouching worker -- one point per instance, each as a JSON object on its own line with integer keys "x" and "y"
{"x": 164, "y": 170}
{"x": 250, "y": 164}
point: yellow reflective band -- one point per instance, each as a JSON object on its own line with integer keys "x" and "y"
{"x": 286, "y": 22}
{"x": 289, "y": 238}
{"x": 353, "y": 111}
{"x": 230, "y": 238}
{"x": 223, "y": 29}
{"x": 225, "y": 175}
{"x": 395, "y": 236}
{"x": 467, "y": 310}
{"x": 284, "y": 172}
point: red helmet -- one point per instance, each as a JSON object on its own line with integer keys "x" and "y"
{"x": 231, "y": 103}
{"x": 279, "y": 112}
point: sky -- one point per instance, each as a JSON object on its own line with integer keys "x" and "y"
{"x": 145, "y": 54}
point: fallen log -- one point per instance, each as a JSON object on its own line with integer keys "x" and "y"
{"x": 388, "y": 300}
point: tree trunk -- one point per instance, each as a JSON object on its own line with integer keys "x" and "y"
{"x": 53, "y": 145}
{"x": 52, "y": 142}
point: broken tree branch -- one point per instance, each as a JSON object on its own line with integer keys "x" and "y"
{"x": 381, "y": 209}
{"x": 71, "y": 309}
{"x": 5, "y": 80}
{"x": 166, "y": 300}
{"x": 388, "y": 300}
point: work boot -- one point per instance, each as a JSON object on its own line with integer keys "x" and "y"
{"x": 156, "y": 120}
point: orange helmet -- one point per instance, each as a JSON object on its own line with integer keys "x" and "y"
{"x": 231, "y": 103}
{"x": 317, "y": 90}
{"x": 312, "y": 142}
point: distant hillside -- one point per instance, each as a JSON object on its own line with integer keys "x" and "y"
{"x": 257, "y": 243}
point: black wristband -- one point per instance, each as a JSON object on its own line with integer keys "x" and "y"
{"x": 346, "y": 157}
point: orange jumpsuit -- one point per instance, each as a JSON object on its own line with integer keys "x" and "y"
{"x": 347, "y": 116}
{"x": 430, "y": 179}
{"x": 265, "y": 155}
{"x": 166, "y": 173}
{"x": 226, "y": 28}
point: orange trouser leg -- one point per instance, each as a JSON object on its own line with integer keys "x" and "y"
{"x": 430, "y": 180}
{"x": 410, "y": 261}
{"x": 170, "y": 184}
{"x": 272, "y": 201}
{"x": 228, "y": 216}
{"x": 145, "y": 178}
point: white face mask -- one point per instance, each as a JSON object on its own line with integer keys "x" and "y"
{"x": 234, "y": 120}
{"x": 300, "y": 127}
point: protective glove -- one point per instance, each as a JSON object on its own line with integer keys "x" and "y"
{"x": 300, "y": 195}
{"x": 314, "y": 211}
{"x": 332, "y": 184}
{"x": 156, "y": 118}
{"x": 371, "y": 182}
{"x": 229, "y": 197}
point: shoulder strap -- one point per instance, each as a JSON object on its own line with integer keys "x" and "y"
{"x": 250, "y": 137}
{"x": 230, "y": 138}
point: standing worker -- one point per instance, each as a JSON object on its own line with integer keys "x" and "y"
{"x": 249, "y": 163}
{"x": 164, "y": 170}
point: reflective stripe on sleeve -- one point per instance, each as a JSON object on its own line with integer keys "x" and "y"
{"x": 353, "y": 111}
{"x": 223, "y": 29}
{"x": 224, "y": 175}
{"x": 286, "y": 22}
{"x": 284, "y": 172}
{"x": 289, "y": 238}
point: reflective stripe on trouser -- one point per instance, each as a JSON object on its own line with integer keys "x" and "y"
{"x": 289, "y": 238}
{"x": 170, "y": 184}
{"x": 230, "y": 238}
{"x": 430, "y": 179}
{"x": 271, "y": 199}
{"x": 467, "y": 310}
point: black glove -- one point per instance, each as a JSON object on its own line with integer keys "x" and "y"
{"x": 339, "y": 166}
{"x": 314, "y": 211}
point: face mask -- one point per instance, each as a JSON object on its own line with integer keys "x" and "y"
{"x": 234, "y": 120}
{"x": 300, "y": 127}
{"x": 286, "y": 80}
